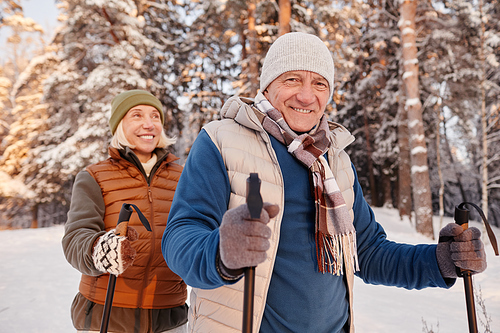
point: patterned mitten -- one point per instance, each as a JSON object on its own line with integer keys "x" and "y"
{"x": 462, "y": 249}
{"x": 113, "y": 254}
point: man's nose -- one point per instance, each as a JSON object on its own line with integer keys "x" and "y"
{"x": 306, "y": 94}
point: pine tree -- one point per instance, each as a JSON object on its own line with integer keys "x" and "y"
{"x": 370, "y": 104}
{"x": 100, "y": 51}
{"x": 453, "y": 74}
{"x": 418, "y": 153}
{"x": 23, "y": 112}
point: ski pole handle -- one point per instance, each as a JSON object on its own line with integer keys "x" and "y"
{"x": 462, "y": 217}
{"x": 254, "y": 203}
{"x": 254, "y": 199}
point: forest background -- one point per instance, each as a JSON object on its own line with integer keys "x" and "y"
{"x": 416, "y": 82}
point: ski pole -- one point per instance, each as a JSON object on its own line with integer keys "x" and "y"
{"x": 121, "y": 230}
{"x": 462, "y": 219}
{"x": 254, "y": 203}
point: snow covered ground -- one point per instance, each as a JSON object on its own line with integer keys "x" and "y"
{"x": 37, "y": 287}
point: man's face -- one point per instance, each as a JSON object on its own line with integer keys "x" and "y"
{"x": 301, "y": 97}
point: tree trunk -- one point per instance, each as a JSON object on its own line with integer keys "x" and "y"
{"x": 253, "y": 70}
{"x": 484, "y": 121}
{"x": 284, "y": 16}
{"x": 243, "y": 38}
{"x": 373, "y": 186}
{"x": 404, "y": 174}
{"x": 386, "y": 187}
{"x": 440, "y": 173}
{"x": 34, "y": 216}
{"x": 418, "y": 156}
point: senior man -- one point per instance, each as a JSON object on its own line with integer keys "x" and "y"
{"x": 316, "y": 231}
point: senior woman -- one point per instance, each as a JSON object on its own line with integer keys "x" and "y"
{"x": 148, "y": 296}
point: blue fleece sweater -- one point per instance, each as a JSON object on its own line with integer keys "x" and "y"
{"x": 300, "y": 299}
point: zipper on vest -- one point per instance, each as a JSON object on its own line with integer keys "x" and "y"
{"x": 145, "y": 281}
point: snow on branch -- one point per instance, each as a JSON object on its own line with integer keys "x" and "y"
{"x": 492, "y": 60}
{"x": 12, "y": 187}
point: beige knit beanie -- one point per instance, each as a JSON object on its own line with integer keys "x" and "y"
{"x": 127, "y": 100}
{"x": 296, "y": 51}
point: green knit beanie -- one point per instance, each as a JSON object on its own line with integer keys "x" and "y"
{"x": 127, "y": 100}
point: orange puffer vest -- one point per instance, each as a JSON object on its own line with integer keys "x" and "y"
{"x": 148, "y": 283}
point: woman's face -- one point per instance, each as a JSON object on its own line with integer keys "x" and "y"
{"x": 142, "y": 126}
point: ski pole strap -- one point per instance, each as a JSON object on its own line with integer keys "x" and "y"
{"x": 126, "y": 211}
{"x": 462, "y": 217}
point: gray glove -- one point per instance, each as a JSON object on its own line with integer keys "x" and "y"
{"x": 243, "y": 241}
{"x": 460, "y": 249}
{"x": 113, "y": 253}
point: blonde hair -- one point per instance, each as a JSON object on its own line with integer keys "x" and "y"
{"x": 119, "y": 141}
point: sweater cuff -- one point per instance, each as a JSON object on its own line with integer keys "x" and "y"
{"x": 227, "y": 274}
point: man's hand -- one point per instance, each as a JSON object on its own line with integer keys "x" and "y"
{"x": 243, "y": 241}
{"x": 462, "y": 249}
{"x": 113, "y": 254}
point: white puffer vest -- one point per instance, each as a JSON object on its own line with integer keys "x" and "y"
{"x": 246, "y": 147}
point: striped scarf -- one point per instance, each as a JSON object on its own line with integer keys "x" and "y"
{"x": 334, "y": 231}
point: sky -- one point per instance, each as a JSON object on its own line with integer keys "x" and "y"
{"x": 37, "y": 286}
{"x": 44, "y": 12}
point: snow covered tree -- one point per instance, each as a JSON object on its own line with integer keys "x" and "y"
{"x": 23, "y": 113}
{"x": 490, "y": 108}
{"x": 101, "y": 50}
{"x": 418, "y": 150}
{"x": 370, "y": 102}
{"x": 193, "y": 55}
{"x": 461, "y": 70}
{"x": 25, "y": 40}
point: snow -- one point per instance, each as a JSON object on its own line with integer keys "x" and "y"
{"x": 412, "y": 101}
{"x": 37, "y": 286}
{"x": 407, "y": 75}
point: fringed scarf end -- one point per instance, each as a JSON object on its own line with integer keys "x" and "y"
{"x": 332, "y": 252}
